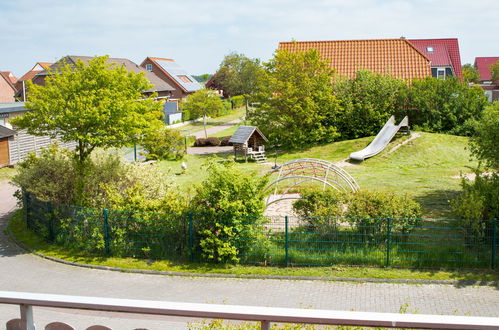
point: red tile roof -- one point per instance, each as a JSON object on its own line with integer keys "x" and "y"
{"x": 387, "y": 56}
{"x": 483, "y": 65}
{"x": 445, "y": 52}
{"x": 10, "y": 76}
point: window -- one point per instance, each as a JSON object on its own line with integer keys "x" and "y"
{"x": 441, "y": 74}
{"x": 184, "y": 79}
{"x": 149, "y": 67}
{"x": 429, "y": 49}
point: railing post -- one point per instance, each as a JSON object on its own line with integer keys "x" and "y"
{"x": 27, "y": 322}
{"x": 494, "y": 244}
{"x": 286, "y": 242}
{"x": 105, "y": 214}
{"x": 50, "y": 223}
{"x": 191, "y": 237}
{"x": 388, "y": 241}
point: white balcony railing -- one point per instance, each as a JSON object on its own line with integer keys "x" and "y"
{"x": 264, "y": 315}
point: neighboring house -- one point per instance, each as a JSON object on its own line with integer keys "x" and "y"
{"x": 397, "y": 57}
{"x": 162, "y": 88}
{"x": 7, "y": 88}
{"x": 445, "y": 60}
{"x": 172, "y": 73}
{"x": 491, "y": 88}
{"x": 213, "y": 83}
{"x": 21, "y": 82}
{"x": 19, "y": 143}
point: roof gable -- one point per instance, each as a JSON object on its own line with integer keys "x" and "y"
{"x": 445, "y": 52}
{"x": 178, "y": 74}
{"x": 483, "y": 65}
{"x": 6, "y": 132}
{"x": 5, "y": 76}
{"x": 159, "y": 84}
{"x": 243, "y": 133}
{"x": 397, "y": 57}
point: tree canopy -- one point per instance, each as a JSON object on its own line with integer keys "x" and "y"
{"x": 96, "y": 104}
{"x": 484, "y": 142}
{"x": 239, "y": 75}
{"x": 494, "y": 69}
{"x": 202, "y": 103}
{"x": 470, "y": 73}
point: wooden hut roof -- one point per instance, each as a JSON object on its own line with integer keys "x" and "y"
{"x": 243, "y": 134}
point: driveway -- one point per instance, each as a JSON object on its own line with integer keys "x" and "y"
{"x": 21, "y": 271}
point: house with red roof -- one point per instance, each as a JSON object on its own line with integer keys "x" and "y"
{"x": 7, "y": 88}
{"x": 491, "y": 88}
{"x": 444, "y": 56}
{"x": 397, "y": 57}
{"x": 21, "y": 82}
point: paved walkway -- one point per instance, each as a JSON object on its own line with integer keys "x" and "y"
{"x": 20, "y": 271}
{"x": 215, "y": 129}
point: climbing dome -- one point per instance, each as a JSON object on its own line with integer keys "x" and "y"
{"x": 297, "y": 174}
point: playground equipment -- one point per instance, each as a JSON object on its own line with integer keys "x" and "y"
{"x": 296, "y": 173}
{"x": 381, "y": 140}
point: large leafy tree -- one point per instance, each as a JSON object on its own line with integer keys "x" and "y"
{"x": 96, "y": 104}
{"x": 470, "y": 73}
{"x": 297, "y": 105}
{"x": 484, "y": 141}
{"x": 239, "y": 75}
{"x": 494, "y": 69}
{"x": 202, "y": 103}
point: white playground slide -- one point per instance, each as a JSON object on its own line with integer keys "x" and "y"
{"x": 381, "y": 140}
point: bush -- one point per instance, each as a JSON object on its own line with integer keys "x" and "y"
{"x": 238, "y": 101}
{"x": 363, "y": 210}
{"x": 208, "y": 142}
{"x": 225, "y": 141}
{"x": 164, "y": 144}
{"x": 478, "y": 203}
{"x": 484, "y": 141}
{"x": 444, "y": 106}
{"x": 230, "y": 198}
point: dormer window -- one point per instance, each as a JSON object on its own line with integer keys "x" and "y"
{"x": 184, "y": 79}
{"x": 149, "y": 67}
{"x": 429, "y": 49}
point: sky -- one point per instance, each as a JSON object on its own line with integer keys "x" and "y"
{"x": 198, "y": 34}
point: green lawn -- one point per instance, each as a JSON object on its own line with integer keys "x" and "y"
{"x": 6, "y": 173}
{"x": 211, "y": 122}
{"x": 425, "y": 168}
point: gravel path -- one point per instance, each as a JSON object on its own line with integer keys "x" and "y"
{"x": 20, "y": 271}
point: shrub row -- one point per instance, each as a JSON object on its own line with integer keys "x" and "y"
{"x": 212, "y": 142}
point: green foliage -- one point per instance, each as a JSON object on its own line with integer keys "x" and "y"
{"x": 494, "y": 70}
{"x": 448, "y": 105}
{"x": 202, "y": 103}
{"x": 216, "y": 244}
{"x": 94, "y": 105}
{"x": 368, "y": 100}
{"x": 238, "y": 75}
{"x": 202, "y": 77}
{"x": 49, "y": 176}
{"x": 486, "y": 136}
{"x": 164, "y": 144}
{"x": 478, "y": 204}
{"x": 208, "y": 142}
{"x": 297, "y": 103}
{"x": 237, "y": 101}
{"x": 363, "y": 210}
{"x": 470, "y": 73}
{"x": 231, "y": 198}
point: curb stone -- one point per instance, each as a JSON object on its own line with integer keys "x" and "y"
{"x": 250, "y": 276}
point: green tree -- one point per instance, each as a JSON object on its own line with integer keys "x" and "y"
{"x": 297, "y": 104}
{"x": 494, "y": 69}
{"x": 368, "y": 100}
{"x": 444, "y": 106}
{"x": 484, "y": 142}
{"x": 202, "y": 103}
{"x": 470, "y": 73}
{"x": 96, "y": 105}
{"x": 239, "y": 75}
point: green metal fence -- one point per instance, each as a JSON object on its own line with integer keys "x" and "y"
{"x": 287, "y": 241}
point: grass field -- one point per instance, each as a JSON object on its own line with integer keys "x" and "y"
{"x": 6, "y": 173}
{"x": 211, "y": 122}
{"x": 427, "y": 168}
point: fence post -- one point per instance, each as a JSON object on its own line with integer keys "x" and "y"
{"x": 105, "y": 214}
{"x": 494, "y": 244}
{"x": 286, "y": 241}
{"x": 191, "y": 238}
{"x": 50, "y": 214}
{"x": 388, "y": 239}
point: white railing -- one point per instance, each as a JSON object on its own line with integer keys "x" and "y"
{"x": 264, "y": 315}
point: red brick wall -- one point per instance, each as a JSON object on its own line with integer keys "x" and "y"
{"x": 6, "y": 91}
